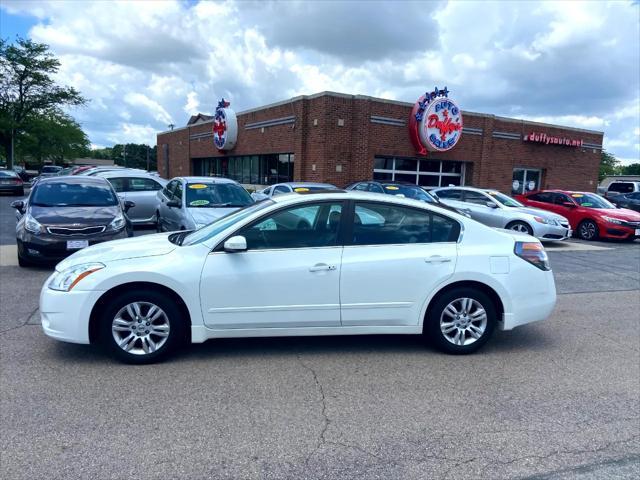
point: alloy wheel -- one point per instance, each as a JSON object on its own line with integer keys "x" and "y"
{"x": 520, "y": 227}
{"x": 588, "y": 230}
{"x": 140, "y": 328}
{"x": 463, "y": 321}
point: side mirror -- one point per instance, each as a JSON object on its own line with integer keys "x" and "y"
{"x": 235, "y": 244}
{"x": 491, "y": 205}
{"x": 128, "y": 204}
{"x": 174, "y": 204}
{"x": 18, "y": 205}
{"x": 569, "y": 204}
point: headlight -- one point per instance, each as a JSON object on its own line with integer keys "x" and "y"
{"x": 65, "y": 280}
{"x": 117, "y": 223}
{"x": 544, "y": 220}
{"x": 617, "y": 221}
{"x": 32, "y": 225}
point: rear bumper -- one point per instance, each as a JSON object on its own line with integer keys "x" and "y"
{"x": 533, "y": 300}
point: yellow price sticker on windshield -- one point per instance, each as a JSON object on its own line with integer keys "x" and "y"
{"x": 391, "y": 187}
{"x": 577, "y": 195}
{"x": 198, "y": 186}
{"x": 493, "y": 193}
{"x": 301, "y": 189}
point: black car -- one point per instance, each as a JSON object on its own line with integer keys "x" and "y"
{"x": 64, "y": 214}
{"x": 627, "y": 200}
{"x": 10, "y": 182}
{"x": 407, "y": 190}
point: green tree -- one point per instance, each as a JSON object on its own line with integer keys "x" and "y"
{"x": 134, "y": 155}
{"x": 28, "y": 90}
{"x": 608, "y": 165}
{"x": 52, "y": 136}
{"x": 632, "y": 169}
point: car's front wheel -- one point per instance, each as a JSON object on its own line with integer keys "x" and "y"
{"x": 588, "y": 230}
{"x": 141, "y": 326}
{"x": 520, "y": 227}
{"x": 461, "y": 320}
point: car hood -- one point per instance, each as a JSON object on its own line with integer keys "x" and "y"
{"x": 136, "y": 247}
{"x": 204, "y": 216}
{"x": 84, "y": 216}
{"x": 538, "y": 212}
{"x": 621, "y": 213}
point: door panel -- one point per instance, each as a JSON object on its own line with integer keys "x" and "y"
{"x": 387, "y": 284}
{"x": 272, "y": 288}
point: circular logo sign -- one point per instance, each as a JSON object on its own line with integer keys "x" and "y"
{"x": 436, "y": 122}
{"x": 225, "y": 126}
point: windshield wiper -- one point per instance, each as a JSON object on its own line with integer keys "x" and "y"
{"x": 222, "y": 205}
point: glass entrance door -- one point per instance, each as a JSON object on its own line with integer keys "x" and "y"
{"x": 525, "y": 180}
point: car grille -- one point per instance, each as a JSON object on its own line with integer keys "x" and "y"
{"x": 76, "y": 231}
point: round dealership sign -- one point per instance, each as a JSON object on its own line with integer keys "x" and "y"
{"x": 436, "y": 122}
{"x": 225, "y": 126}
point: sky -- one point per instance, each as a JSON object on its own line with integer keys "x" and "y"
{"x": 147, "y": 64}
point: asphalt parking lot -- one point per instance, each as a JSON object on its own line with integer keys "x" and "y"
{"x": 554, "y": 400}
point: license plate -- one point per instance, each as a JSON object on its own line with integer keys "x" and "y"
{"x": 77, "y": 244}
{"x": 6, "y": 182}
{"x": 637, "y": 231}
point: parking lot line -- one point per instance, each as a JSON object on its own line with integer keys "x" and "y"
{"x": 571, "y": 246}
{"x": 8, "y": 256}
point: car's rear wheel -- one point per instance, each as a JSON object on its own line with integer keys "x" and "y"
{"x": 520, "y": 227}
{"x": 141, "y": 326}
{"x": 461, "y": 320}
{"x": 588, "y": 230}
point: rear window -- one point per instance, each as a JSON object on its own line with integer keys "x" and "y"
{"x": 73, "y": 195}
{"x": 8, "y": 173}
{"x": 622, "y": 187}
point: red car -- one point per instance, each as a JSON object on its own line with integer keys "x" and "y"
{"x": 590, "y": 215}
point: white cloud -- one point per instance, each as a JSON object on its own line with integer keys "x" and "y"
{"x": 146, "y": 64}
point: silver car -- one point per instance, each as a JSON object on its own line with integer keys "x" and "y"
{"x": 139, "y": 187}
{"x": 290, "y": 187}
{"x": 498, "y": 210}
{"x": 188, "y": 203}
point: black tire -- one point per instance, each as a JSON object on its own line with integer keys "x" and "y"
{"x": 177, "y": 330}
{"x": 588, "y": 230}
{"x": 21, "y": 192}
{"x": 519, "y": 226}
{"x": 24, "y": 262}
{"x": 432, "y": 326}
{"x": 158, "y": 224}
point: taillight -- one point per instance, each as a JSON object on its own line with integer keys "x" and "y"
{"x": 533, "y": 252}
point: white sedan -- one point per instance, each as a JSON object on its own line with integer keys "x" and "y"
{"x": 340, "y": 263}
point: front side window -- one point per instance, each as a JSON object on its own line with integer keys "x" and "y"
{"x": 280, "y": 189}
{"x": 449, "y": 194}
{"x": 476, "y": 198}
{"x": 308, "y": 226}
{"x": 561, "y": 199}
{"x": 361, "y": 187}
{"x": 168, "y": 190}
{"x": 212, "y": 195}
{"x": 143, "y": 185}
{"x": 374, "y": 187}
{"x": 177, "y": 193}
{"x": 380, "y": 224}
{"x": 541, "y": 197}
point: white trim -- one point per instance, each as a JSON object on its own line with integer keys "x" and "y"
{"x": 274, "y": 308}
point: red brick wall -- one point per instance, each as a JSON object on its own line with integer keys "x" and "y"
{"x": 318, "y": 140}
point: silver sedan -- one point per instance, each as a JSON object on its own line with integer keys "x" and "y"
{"x": 139, "y": 187}
{"x": 498, "y": 210}
{"x": 189, "y": 203}
{"x": 290, "y": 187}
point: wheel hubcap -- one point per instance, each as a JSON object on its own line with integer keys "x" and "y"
{"x": 140, "y": 328}
{"x": 518, "y": 227}
{"x": 588, "y": 230}
{"x": 463, "y": 321}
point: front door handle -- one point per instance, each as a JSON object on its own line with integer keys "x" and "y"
{"x": 320, "y": 267}
{"x": 437, "y": 259}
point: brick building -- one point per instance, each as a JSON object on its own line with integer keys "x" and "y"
{"x": 338, "y": 138}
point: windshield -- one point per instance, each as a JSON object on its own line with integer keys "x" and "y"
{"x": 212, "y": 195}
{"x": 222, "y": 223}
{"x": 505, "y": 200}
{"x": 590, "y": 200}
{"x": 407, "y": 191}
{"x": 73, "y": 195}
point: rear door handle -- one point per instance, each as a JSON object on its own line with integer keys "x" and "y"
{"x": 437, "y": 259}
{"x": 320, "y": 267}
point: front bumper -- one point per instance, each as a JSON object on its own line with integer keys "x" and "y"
{"x": 47, "y": 248}
{"x": 65, "y": 315}
{"x": 625, "y": 231}
{"x": 546, "y": 232}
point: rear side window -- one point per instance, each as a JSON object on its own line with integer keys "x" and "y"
{"x": 280, "y": 189}
{"x": 137, "y": 184}
{"x": 380, "y": 224}
{"x": 453, "y": 194}
{"x": 541, "y": 197}
{"x": 118, "y": 184}
{"x": 361, "y": 187}
{"x": 621, "y": 187}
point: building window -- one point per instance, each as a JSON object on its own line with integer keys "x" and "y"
{"x": 426, "y": 173}
{"x": 525, "y": 180}
{"x": 250, "y": 169}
